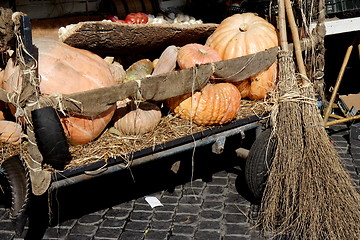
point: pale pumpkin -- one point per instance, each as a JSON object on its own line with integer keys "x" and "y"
{"x": 214, "y": 104}
{"x": 193, "y": 54}
{"x": 243, "y": 34}
{"x": 167, "y": 61}
{"x": 137, "y": 119}
{"x": 139, "y": 70}
{"x": 65, "y": 69}
{"x": 10, "y": 132}
{"x": 118, "y": 72}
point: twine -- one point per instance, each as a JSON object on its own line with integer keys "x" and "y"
{"x": 138, "y": 94}
{"x": 59, "y": 102}
{"x": 237, "y": 72}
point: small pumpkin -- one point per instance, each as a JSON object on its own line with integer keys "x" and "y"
{"x": 194, "y": 53}
{"x": 243, "y": 34}
{"x": 258, "y": 86}
{"x": 117, "y": 70}
{"x": 10, "y": 132}
{"x": 139, "y": 70}
{"x": 65, "y": 69}
{"x": 215, "y": 104}
{"x": 167, "y": 61}
{"x": 136, "y": 119}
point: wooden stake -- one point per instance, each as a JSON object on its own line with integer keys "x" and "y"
{"x": 282, "y": 26}
{"x": 296, "y": 39}
{"x": 338, "y": 81}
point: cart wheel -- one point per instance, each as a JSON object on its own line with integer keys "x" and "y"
{"x": 258, "y": 163}
{"x": 18, "y": 187}
{"x": 50, "y": 137}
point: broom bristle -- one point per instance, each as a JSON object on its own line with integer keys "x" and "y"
{"x": 308, "y": 194}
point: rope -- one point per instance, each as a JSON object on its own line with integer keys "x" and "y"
{"x": 138, "y": 92}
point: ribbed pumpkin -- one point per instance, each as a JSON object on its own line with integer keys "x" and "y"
{"x": 214, "y": 104}
{"x": 193, "y": 53}
{"x": 137, "y": 119}
{"x": 67, "y": 70}
{"x": 243, "y": 34}
{"x": 10, "y": 132}
{"x": 64, "y": 69}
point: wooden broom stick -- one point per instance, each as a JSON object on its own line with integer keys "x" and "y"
{"x": 296, "y": 39}
{"x": 282, "y": 26}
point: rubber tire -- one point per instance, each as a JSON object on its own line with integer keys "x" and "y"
{"x": 258, "y": 163}
{"x": 18, "y": 178}
{"x": 50, "y": 137}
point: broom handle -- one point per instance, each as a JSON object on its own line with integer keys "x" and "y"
{"x": 282, "y": 26}
{"x": 337, "y": 84}
{"x": 296, "y": 39}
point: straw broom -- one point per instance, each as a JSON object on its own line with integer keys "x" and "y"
{"x": 308, "y": 194}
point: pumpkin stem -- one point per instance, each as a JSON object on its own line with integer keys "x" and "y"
{"x": 202, "y": 51}
{"x": 243, "y": 27}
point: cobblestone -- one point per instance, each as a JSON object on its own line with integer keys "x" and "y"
{"x": 56, "y": 233}
{"x": 140, "y": 216}
{"x": 156, "y": 235}
{"x": 160, "y": 226}
{"x": 78, "y": 237}
{"x": 118, "y": 213}
{"x": 187, "y": 219}
{"x": 182, "y": 229}
{"x": 214, "y": 205}
{"x": 108, "y": 233}
{"x": 211, "y": 210}
{"x": 90, "y": 219}
{"x": 112, "y": 223}
{"x": 163, "y": 216}
{"x": 130, "y": 235}
{"x": 79, "y": 229}
{"x": 209, "y": 225}
{"x": 201, "y": 235}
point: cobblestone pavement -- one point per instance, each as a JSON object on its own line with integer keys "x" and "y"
{"x": 213, "y": 206}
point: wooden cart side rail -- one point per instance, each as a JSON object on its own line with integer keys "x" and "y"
{"x": 159, "y": 155}
{"x": 157, "y": 148}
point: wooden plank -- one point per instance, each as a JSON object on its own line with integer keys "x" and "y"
{"x": 238, "y": 69}
{"x": 122, "y": 39}
{"x": 337, "y": 26}
{"x": 159, "y": 87}
{"x": 156, "y": 88}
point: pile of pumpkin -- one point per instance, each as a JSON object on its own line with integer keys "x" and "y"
{"x": 64, "y": 69}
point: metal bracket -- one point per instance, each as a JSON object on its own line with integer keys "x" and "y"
{"x": 219, "y": 145}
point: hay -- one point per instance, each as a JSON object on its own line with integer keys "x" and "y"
{"x": 327, "y": 192}
{"x": 280, "y": 191}
{"x": 308, "y": 194}
{"x": 110, "y": 144}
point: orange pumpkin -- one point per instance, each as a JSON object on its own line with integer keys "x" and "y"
{"x": 194, "y": 53}
{"x": 243, "y": 34}
{"x": 64, "y": 69}
{"x": 214, "y": 104}
{"x": 10, "y": 132}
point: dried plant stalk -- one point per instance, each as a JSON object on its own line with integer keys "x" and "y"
{"x": 328, "y": 200}
{"x": 280, "y": 194}
{"x": 309, "y": 195}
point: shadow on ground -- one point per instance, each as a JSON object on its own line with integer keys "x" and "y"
{"x": 74, "y": 201}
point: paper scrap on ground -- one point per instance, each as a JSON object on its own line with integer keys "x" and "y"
{"x": 153, "y": 201}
